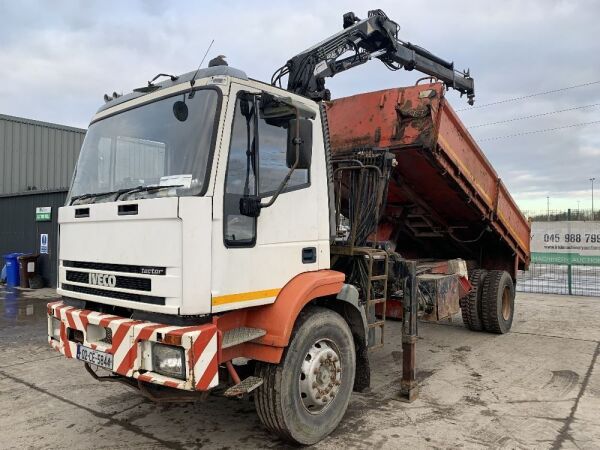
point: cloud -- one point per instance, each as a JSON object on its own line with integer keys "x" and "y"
{"x": 59, "y": 58}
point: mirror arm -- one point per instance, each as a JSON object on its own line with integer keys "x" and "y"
{"x": 291, "y": 171}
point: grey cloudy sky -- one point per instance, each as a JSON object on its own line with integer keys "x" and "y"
{"x": 58, "y": 58}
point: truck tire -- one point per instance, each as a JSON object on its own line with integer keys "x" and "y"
{"x": 304, "y": 397}
{"x": 470, "y": 306}
{"x": 498, "y": 302}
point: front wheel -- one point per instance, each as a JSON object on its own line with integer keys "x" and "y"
{"x": 305, "y": 396}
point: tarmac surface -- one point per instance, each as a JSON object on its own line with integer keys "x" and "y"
{"x": 536, "y": 387}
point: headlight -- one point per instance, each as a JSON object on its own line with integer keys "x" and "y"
{"x": 168, "y": 361}
{"x": 54, "y": 330}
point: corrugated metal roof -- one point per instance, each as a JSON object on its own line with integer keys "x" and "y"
{"x": 36, "y": 155}
{"x": 41, "y": 123}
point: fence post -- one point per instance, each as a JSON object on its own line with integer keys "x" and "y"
{"x": 569, "y": 267}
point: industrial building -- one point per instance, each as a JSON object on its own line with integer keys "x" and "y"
{"x": 37, "y": 160}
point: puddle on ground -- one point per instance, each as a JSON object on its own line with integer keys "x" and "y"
{"x": 20, "y": 308}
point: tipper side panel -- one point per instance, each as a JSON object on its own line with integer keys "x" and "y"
{"x": 444, "y": 198}
{"x": 458, "y": 146}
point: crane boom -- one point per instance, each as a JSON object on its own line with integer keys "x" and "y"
{"x": 374, "y": 37}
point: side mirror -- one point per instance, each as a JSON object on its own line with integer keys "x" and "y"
{"x": 303, "y": 127}
{"x": 250, "y": 206}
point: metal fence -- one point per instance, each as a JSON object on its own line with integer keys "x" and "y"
{"x": 554, "y": 215}
{"x": 565, "y": 257}
{"x": 559, "y": 279}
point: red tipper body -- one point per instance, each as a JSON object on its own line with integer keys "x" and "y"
{"x": 444, "y": 197}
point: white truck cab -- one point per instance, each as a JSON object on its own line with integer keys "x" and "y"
{"x": 152, "y": 222}
{"x": 197, "y": 232}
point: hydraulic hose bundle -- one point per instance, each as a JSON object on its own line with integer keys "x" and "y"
{"x": 361, "y": 179}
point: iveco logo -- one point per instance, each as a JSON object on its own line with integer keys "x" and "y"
{"x": 103, "y": 279}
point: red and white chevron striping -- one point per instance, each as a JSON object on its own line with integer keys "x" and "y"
{"x": 128, "y": 343}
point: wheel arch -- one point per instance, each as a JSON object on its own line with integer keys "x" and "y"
{"x": 345, "y": 303}
{"x": 325, "y": 288}
{"x": 278, "y": 319}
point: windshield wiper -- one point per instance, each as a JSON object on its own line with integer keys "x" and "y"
{"x": 145, "y": 189}
{"x": 120, "y": 192}
{"x": 98, "y": 194}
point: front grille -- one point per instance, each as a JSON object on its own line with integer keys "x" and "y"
{"x": 114, "y": 294}
{"x": 146, "y": 270}
{"x": 136, "y": 284}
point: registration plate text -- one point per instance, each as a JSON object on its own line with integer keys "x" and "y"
{"x": 95, "y": 357}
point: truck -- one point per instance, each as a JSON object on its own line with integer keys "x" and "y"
{"x": 231, "y": 236}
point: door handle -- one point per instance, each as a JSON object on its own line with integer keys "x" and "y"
{"x": 309, "y": 255}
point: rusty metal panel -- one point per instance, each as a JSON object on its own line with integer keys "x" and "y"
{"x": 444, "y": 192}
{"x": 36, "y": 156}
{"x": 511, "y": 217}
{"x": 438, "y": 296}
{"x": 389, "y": 119}
{"x": 460, "y": 147}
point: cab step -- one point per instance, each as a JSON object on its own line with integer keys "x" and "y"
{"x": 244, "y": 387}
{"x": 240, "y": 335}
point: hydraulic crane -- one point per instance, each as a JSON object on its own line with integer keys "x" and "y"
{"x": 374, "y": 37}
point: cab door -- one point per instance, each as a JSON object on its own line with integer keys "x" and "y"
{"x": 253, "y": 258}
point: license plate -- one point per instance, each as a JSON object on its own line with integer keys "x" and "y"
{"x": 95, "y": 357}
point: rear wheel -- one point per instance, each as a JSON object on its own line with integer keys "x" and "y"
{"x": 470, "y": 306}
{"x": 304, "y": 397}
{"x": 498, "y": 302}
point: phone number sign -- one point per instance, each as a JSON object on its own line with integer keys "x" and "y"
{"x": 576, "y": 243}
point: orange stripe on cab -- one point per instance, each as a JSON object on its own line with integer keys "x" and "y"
{"x": 244, "y": 296}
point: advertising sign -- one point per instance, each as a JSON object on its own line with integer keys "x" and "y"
{"x": 576, "y": 243}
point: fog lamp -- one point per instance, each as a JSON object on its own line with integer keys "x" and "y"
{"x": 168, "y": 360}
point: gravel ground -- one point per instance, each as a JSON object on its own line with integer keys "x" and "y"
{"x": 536, "y": 387}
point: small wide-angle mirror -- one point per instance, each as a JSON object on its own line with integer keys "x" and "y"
{"x": 250, "y": 206}
{"x": 180, "y": 111}
{"x": 299, "y": 132}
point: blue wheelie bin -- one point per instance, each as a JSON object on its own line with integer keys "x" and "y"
{"x": 12, "y": 269}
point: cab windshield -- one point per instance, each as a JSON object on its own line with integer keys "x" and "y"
{"x": 158, "y": 149}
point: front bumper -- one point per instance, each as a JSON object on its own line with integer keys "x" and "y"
{"x": 129, "y": 340}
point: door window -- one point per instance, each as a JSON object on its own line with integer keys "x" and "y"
{"x": 272, "y": 155}
{"x": 242, "y": 173}
{"x": 240, "y": 230}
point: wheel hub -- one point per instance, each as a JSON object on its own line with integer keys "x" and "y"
{"x": 320, "y": 376}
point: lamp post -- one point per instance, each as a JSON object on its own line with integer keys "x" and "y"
{"x": 592, "y": 180}
{"x": 548, "y": 209}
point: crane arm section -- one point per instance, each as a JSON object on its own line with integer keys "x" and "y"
{"x": 363, "y": 40}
